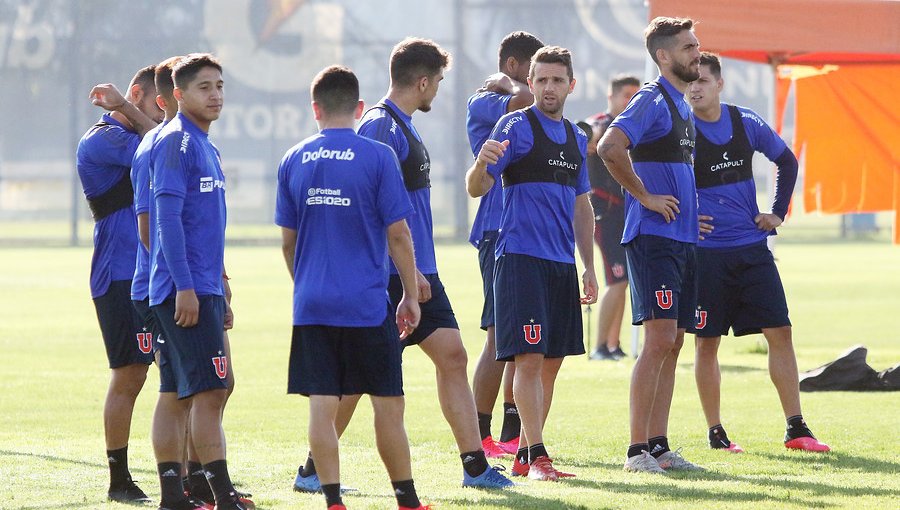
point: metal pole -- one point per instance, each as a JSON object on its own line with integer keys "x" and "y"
{"x": 74, "y": 128}
{"x": 460, "y": 143}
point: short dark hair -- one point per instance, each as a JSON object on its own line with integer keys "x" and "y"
{"x": 622, "y": 80}
{"x": 712, "y": 60}
{"x": 185, "y": 70}
{"x": 552, "y": 55}
{"x": 661, "y": 32}
{"x": 336, "y": 90}
{"x": 163, "y": 77}
{"x": 519, "y": 45}
{"x": 144, "y": 79}
{"x": 415, "y": 57}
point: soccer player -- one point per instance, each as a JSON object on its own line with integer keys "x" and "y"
{"x": 609, "y": 217}
{"x": 103, "y": 161}
{"x": 661, "y": 231}
{"x": 417, "y": 68}
{"x": 348, "y": 188}
{"x": 186, "y": 284}
{"x": 740, "y": 288}
{"x": 508, "y": 93}
{"x": 538, "y": 155}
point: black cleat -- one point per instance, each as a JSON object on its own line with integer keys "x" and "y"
{"x": 127, "y": 492}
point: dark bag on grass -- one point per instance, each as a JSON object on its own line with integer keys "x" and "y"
{"x": 849, "y": 372}
{"x": 890, "y": 378}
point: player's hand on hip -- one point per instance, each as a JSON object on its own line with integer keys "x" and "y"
{"x": 424, "y": 287}
{"x": 492, "y": 151}
{"x": 107, "y": 96}
{"x": 705, "y": 226}
{"x": 187, "y": 308}
{"x": 591, "y": 288}
{"x": 229, "y": 316}
{"x": 667, "y": 205}
{"x": 767, "y": 221}
{"x": 408, "y": 314}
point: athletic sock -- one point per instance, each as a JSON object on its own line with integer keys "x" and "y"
{"x": 309, "y": 468}
{"x": 118, "y": 466}
{"x": 170, "y": 483}
{"x": 536, "y": 450}
{"x": 511, "y": 422}
{"x": 658, "y": 446}
{"x": 484, "y": 425}
{"x": 475, "y": 463}
{"x": 405, "y": 491}
{"x": 522, "y": 455}
{"x": 718, "y": 438}
{"x": 219, "y": 481}
{"x": 197, "y": 484}
{"x": 637, "y": 448}
{"x": 332, "y": 493}
{"x": 796, "y": 427}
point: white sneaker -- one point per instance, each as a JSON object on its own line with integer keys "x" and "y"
{"x": 643, "y": 463}
{"x": 674, "y": 460}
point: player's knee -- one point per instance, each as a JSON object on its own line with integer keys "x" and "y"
{"x": 455, "y": 361}
{"x": 128, "y": 380}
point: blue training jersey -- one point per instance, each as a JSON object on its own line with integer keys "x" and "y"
{"x": 483, "y": 112}
{"x": 103, "y": 158}
{"x": 340, "y": 192}
{"x": 187, "y": 165}
{"x": 140, "y": 180}
{"x": 537, "y": 217}
{"x": 645, "y": 119}
{"x": 733, "y": 206}
{"x": 380, "y": 126}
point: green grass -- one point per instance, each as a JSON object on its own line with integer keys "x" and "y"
{"x": 53, "y": 377}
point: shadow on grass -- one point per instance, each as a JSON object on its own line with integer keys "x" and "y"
{"x": 54, "y": 458}
{"x": 735, "y": 369}
{"x": 792, "y": 483}
{"x": 837, "y": 460}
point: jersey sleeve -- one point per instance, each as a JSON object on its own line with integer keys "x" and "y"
{"x": 116, "y": 146}
{"x": 378, "y": 125}
{"x": 515, "y": 128}
{"x": 645, "y": 118}
{"x": 172, "y": 165}
{"x": 285, "y": 205}
{"x": 392, "y": 201}
{"x": 487, "y": 107}
{"x": 584, "y": 184}
{"x": 762, "y": 137}
{"x": 140, "y": 180}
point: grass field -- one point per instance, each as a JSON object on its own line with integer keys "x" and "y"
{"x": 53, "y": 377}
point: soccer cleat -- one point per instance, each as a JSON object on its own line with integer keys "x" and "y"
{"x": 187, "y": 504}
{"x": 420, "y": 507}
{"x": 337, "y": 507}
{"x": 309, "y": 483}
{"x": 492, "y": 478}
{"x": 602, "y": 353}
{"x": 618, "y": 354}
{"x": 491, "y": 448}
{"x": 510, "y": 447}
{"x": 542, "y": 469}
{"x": 127, "y": 492}
{"x": 808, "y": 444}
{"x": 734, "y": 448}
{"x": 643, "y": 463}
{"x": 674, "y": 461}
{"x": 238, "y": 501}
{"x": 520, "y": 468}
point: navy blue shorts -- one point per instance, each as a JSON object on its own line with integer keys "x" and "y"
{"x": 608, "y": 235}
{"x": 197, "y": 354}
{"x": 663, "y": 279}
{"x": 330, "y": 360}
{"x": 153, "y": 332}
{"x": 123, "y": 335}
{"x": 436, "y": 312}
{"x": 741, "y": 290}
{"x": 538, "y": 307}
{"x": 486, "y": 257}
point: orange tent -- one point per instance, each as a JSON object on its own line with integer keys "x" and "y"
{"x": 847, "y": 109}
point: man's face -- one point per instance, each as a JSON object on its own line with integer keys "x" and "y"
{"x": 519, "y": 71}
{"x": 204, "y": 96}
{"x": 432, "y": 83}
{"x": 684, "y": 56}
{"x": 550, "y": 86}
{"x": 703, "y": 92}
{"x": 147, "y": 105}
{"x": 619, "y": 100}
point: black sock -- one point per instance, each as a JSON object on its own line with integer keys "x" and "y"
{"x": 332, "y": 492}
{"x": 522, "y": 455}
{"x": 718, "y": 438}
{"x": 475, "y": 463}
{"x": 637, "y": 448}
{"x": 405, "y": 491}
{"x": 796, "y": 427}
{"x": 511, "y": 422}
{"x": 197, "y": 484}
{"x": 309, "y": 468}
{"x": 536, "y": 450}
{"x": 658, "y": 446}
{"x": 170, "y": 483}
{"x": 219, "y": 481}
{"x": 118, "y": 466}
{"x": 484, "y": 425}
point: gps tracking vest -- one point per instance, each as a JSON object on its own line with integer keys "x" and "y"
{"x": 547, "y": 161}
{"x": 724, "y": 164}
{"x": 417, "y": 165}
{"x": 677, "y": 146}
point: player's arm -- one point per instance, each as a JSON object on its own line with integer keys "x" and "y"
{"x": 171, "y": 239}
{"x": 400, "y": 247}
{"x": 108, "y": 97}
{"x": 784, "y": 189}
{"x": 143, "y": 222}
{"x": 289, "y": 248}
{"x": 229, "y": 312}
{"x": 478, "y": 180}
{"x": 613, "y": 149}
{"x": 584, "y": 241}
